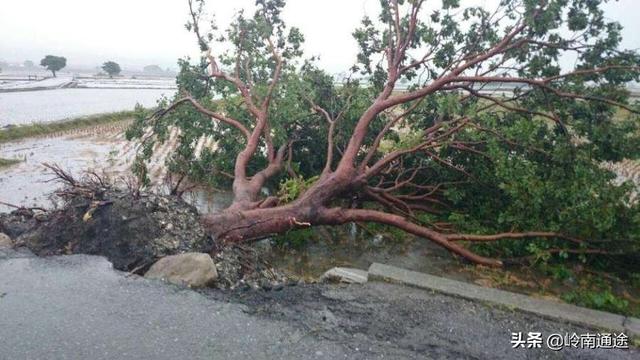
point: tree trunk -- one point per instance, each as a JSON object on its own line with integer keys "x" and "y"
{"x": 248, "y": 219}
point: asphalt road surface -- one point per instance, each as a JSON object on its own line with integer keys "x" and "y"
{"x": 78, "y": 307}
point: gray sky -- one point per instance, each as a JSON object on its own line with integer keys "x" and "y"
{"x": 142, "y": 32}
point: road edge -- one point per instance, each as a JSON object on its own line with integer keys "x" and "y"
{"x": 559, "y": 311}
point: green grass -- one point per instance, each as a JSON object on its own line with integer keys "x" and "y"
{"x": 39, "y": 129}
{"x": 8, "y": 162}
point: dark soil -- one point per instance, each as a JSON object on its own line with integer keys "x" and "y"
{"x": 131, "y": 231}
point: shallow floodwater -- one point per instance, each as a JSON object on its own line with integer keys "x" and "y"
{"x": 52, "y": 105}
{"x": 29, "y": 184}
{"x": 350, "y": 246}
{"x": 102, "y": 149}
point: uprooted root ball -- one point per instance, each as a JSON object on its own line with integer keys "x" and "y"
{"x": 130, "y": 228}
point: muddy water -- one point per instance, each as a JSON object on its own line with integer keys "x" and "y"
{"x": 28, "y": 183}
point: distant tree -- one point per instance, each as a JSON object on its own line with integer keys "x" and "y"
{"x": 111, "y": 68}
{"x": 28, "y": 64}
{"x": 53, "y": 63}
{"x": 153, "y": 69}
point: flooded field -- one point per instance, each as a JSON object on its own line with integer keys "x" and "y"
{"x": 102, "y": 149}
{"x": 27, "y": 183}
{"x": 53, "y": 105}
{"x": 126, "y": 83}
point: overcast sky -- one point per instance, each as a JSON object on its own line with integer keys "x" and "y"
{"x": 142, "y": 32}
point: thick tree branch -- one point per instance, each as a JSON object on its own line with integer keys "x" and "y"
{"x": 214, "y": 115}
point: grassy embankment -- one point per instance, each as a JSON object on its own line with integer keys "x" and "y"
{"x": 40, "y": 129}
{"x": 8, "y": 162}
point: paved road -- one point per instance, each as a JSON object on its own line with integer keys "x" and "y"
{"x": 78, "y": 307}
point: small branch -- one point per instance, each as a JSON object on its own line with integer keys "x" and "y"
{"x": 22, "y": 207}
{"x": 61, "y": 174}
{"x": 511, "y": 235}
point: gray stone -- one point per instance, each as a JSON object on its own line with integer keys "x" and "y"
{"x": 549, "y": 309}
{"x": 345, "y": 275}
{"x": 632, "y": 327}
{"x": 5, "y": 241}
{"x": 188, "y": 269}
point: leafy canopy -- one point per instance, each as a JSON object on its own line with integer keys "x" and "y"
{"x": 53, "y": 63}
{"x": 111, "y": 68}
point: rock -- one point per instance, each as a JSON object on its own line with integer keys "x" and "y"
{"x": 340, "y": 295}
{"x": 377, "y": 240}
{"x": 266, "y": 285}
{"x": 345, "y": 275}
{"x": 5, "y": 241}
{"x": 189, "y": 269}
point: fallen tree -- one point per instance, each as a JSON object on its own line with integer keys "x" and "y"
{"x": 487, "y": 91}
{"x": 131, "y": 228}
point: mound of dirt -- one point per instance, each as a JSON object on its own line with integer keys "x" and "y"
{"x": 131, "y": 231}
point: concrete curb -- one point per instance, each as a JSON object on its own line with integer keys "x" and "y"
{"x": 549, "y": 309}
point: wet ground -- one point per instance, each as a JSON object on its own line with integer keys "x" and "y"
{"x": 28, "y": 182}
{"x": 78, "y": 307}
